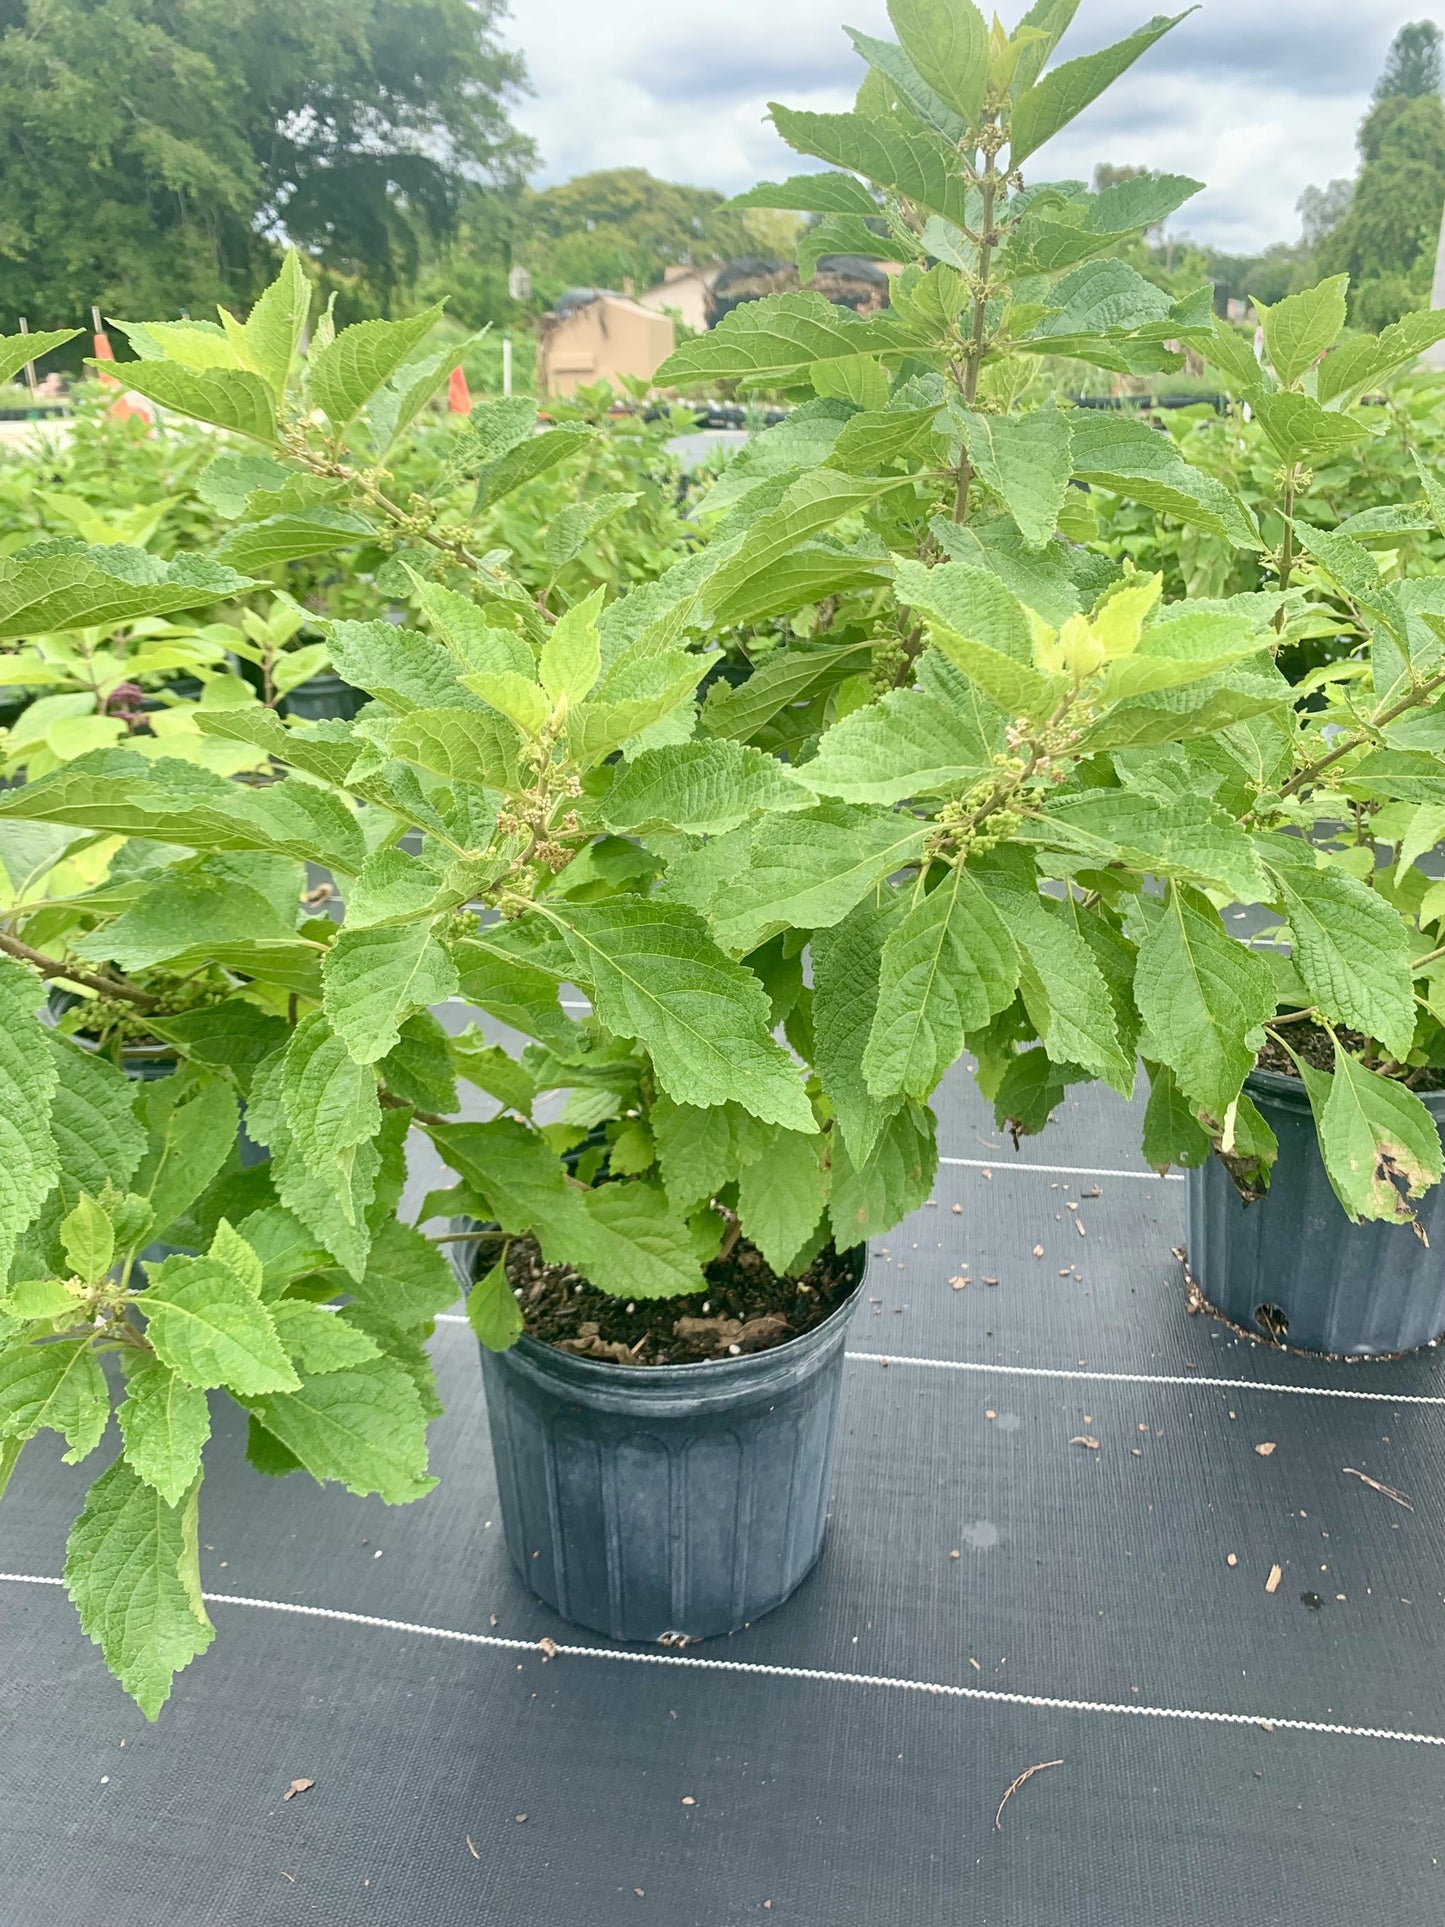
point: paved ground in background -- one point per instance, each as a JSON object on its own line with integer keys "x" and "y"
{"x": 1226, "y": 1753}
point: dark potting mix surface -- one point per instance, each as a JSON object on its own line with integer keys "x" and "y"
{"x": 1057, "y": 1542}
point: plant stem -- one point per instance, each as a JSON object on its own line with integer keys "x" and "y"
{"x": 1286, "y": 546}
{"x": 92, "y": 979}
{"x": 1421, "y": 693}
{"x": 987, "y": 240}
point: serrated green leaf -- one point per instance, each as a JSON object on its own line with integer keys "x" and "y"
{"x": 571, "y": 658}
{"x": 700, "y": 789}
{"x": 1203, "y": 996}
{"x": 329, "y": 1098}
{"x": 47, "y": 1298}
{"x": 132, "y": 1567}
{"x": 407, "y": 1281}
{"x": 787, "y": 677}
{"x": 98, "y": 1139}
{"x": 515, "y": 993}
{"x": 1357, "y": 366}
{"x": 56, "y": 1385}
{"x": 162, "y": 922}
{"x": 1375, "y": 1138}
{"x": 231, "y": 398}
{"x": 947, "y": 43}
{"x": 806, "y": 871}
{"x": 210, "y": 1327}
{"x": 1026, "y": 461}
{"x": 190, "y": 1122}
{"x": 164, "y": 1423}
{"x": 317, "y": 1340}
{"x": 847, "y": 961}
{"x": 363, "y": 1426}
{"x": 462, "y": 745}
{"x": 811, "y": 194}
{"x": 1172, "y": 1133}
{"x": 869, "y": 1199}
{"x": 1194, "y": 841}
{"x": 88, "y": 1239}
{"x": 971, "y": 602}
{"x": 1064, "y": 92}
{"x": 1353, "y": 951}
{"x": 28, "y": 1076}
{"x": 264, "y": 546}
{"x": 1063, "y": 989}
{"x": 529, "y": 459}
{"x": 1298, "y": 329}
{"x": 699, "y": 1151}
{"x": 748, "y": 584}
{"x": 16, "y": 350}
{"x": 655, "y": 975}
{"x": 74, "y": 588}
{"x": 277, "y": 323}
{"x": 1134, "y": 460}
{"x": 492, "y": 1311}
{"x": 419, "y": 1067}
{"x": 376, "y": 978}
{"x": 882, "y": 435}
{"x": 915, "y": 162}
{"x": 782, "y": 1195}
{"x": 330, "y": 1199}
{"x": 762, "y": 343}
{"x": 946, "y": 968}
{"x": 1302, "y": 431}
{"x": 343, "y": 376}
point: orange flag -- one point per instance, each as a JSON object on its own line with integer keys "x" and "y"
{"x": 459, "y": 400}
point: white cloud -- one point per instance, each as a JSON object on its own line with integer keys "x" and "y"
{"x": 1257, "y": 98}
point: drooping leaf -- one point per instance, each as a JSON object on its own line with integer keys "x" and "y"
{"x": 1110, "y": 451}
{"x": 1172, "y": 1133}
{"x": 947, "y": 43}
{"x": 190, "y": 1122}
{"x": 781, "y": 1196}
{"x": 806, "y": 871}
{"x": 133, "y": 1569}
{"x": 363, "y": 1426}
{"x": 208, "y": 1325}
{"x": 55, "y": 1385}
{"x": 869, "y": 1199}
{"x": 164, "y": 1423}
{"x": 28, "y": 1075}
{"x": 330, "y": 1101}
{"x": 1204, "y": 997}
{"x": 1193, "y": 840}
{"x": 1026, "y": 460}
{"x": 1380, "y": 1145}
{"x": 343, "y": 376}
{"x": 376, "y": 978}
{"x": 492, "y": 1311}
{"x": 847, "y": 961}
{"x": 1353, "y": 950}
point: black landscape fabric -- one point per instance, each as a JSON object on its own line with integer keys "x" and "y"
{"x": 1112, "y": 1594}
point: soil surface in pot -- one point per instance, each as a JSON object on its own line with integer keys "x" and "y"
{"x": 1312, "y": 1042}
{"x": 747, "y": 1307}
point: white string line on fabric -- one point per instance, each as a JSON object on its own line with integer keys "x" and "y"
{"x": 1002, "y": 1167}
{"x": 822, "y": 1675}
{"x": 1086, "y": 1377}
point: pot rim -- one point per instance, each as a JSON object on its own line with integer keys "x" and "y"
{"x": 1291, "y": 1091}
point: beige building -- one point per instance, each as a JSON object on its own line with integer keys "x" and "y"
{"x": 593, "y": 335}
{"x": 684, "y": 291}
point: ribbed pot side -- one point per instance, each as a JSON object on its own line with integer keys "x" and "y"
{"x": 684, "y": 1499}
{"x": 1292, "y": 1266}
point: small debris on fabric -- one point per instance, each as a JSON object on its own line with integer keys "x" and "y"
{"x": 493, "y": 1618}
{"x": 641, "y": 1892}
{"x": 1231, "y": 1558}
{"x": 1276, "y": 1573}
{"x": 297, "y": 1786}
{"x": 1094, "y": 1193}
{"x": 471, "y": 1849}
{"x": 1080, "y": 1229}
{"x": 1038, "y": 1251}
{"x": 1143, "y": 1428}
{"x": 1135, "y": 1453}
{"x": 1375, "y": 1486}
{"x": 1069, "y": 1205}
{"x": 990, "y": 1281}
{"x": 1064, "y": 1270}
{"x": 1311, "y": 1601}
{"x": 1013, "y": 1786}
{"x": 975, "y": 1665}
{"x": 688, "y": 1801}
{"x": 990, "y": 1414}
{"x": 1092, "y": 1444}
{"x": 959, "y": 1284}
{"x": 957, "y": 1210}
{"x": 1265, "y": 1449}
{"x": 955, "y": 1555}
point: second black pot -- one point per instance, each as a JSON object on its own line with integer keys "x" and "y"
{"x": 1292, "y": 1266}
{"x": 685, "y": 1500}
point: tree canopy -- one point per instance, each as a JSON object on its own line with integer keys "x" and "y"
{"x": 149, "y": 152}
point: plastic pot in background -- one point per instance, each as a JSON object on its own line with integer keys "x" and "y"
{"x": 643, "y": 1500}
{"x": 1292, "y": 1266}
{"x": 323, "y": 698}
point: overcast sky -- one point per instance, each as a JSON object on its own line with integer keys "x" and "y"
{"x": 1257, "y": 98}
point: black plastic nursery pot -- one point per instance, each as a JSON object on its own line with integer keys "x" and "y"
{"x": 643, "y": 1501}
{"x": 1292, "y": 1266}
{"x": 323, "y": 698}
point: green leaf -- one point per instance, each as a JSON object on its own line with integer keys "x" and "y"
{"x": 763, "y": 343}
{"x": 571, "y": 659}
{"x": 492, "y": 1311}
{"x": 264, "y": 546}
{"x": 364, "y": 1427}
{"x": 376, "y": 978}
{"x": 1298, "y": 329}
{"x": 132, "y": 1566}
{"x": 655, "y": 975}
{"x": 1302, "y": 431}
{"x": 519, "y": 698}
{"x": 760, "y": 576}
{"x": 46, "y": 1298}
{"x": 162, "y": 922}
{"x": 782, "y": 1195}
{"x": 1064, "y": 92}
{"x": 28, "y": 1075}
{"x": 868, "y": 1199}
{"x": 629, "y": 1239}
{"x": 16, "y": 350}
{"x": 232, "y": 1037}
{"x": 811, "y": 194}
{"x": 228, "y": 1247}
{"x": 1134, "y": 460}
{"x": 1017, "y": 689}
{"x": 1193, "y": 841}
{"x": 462, "y": 745}
{"x": 210, "y": 1327}
{"x": 329, "y": 1099}
{"x": 947, "y": 42}
{"x": 344, "y": 376}
{"x": 419, "y": 1067}
{"x": 57, "y": 1385}
{"x": 916, "y": 163}
{"x": 897, "y": 73}
{"x": 98, "y": 1139}
{"x": 403, "y": 668}
{"x": 407, "y": 1281}
{"x": 490, "y": 1068}
{"x": 1172, "y": 1133}
{"x": 971, "y": 602}
{"x": 1025, "y": 460}
{"x": 121, "y": 793}
{"x": 699, "y": 1151}
{"x": 318, "y": 1340}
{"x": 277, "y": 323}
{"x": 515, "y": 993}
{"x": 1064, "y": 990}
{"x": 231, "y": 398}
{"x": 331, "y": 1199}
{"x": 530, "y": 459}
{"x": 1203, "y": 997}
{"x": 76, "y": 588}
{"x": 1375, "y": 1138}
{"x": 191, "y": 1121}
{"x": 807, "y": 871}
{"x": 1360, "y": 365}
{"x": 786, "y": 677}
{"x": 88, "y": 1240}
{"x": 946, "y": 968}
{"x": 880, "y": 435}
{"x": 165, "y": 1423}
{"x": 1353, "y": 951}
{"x": 700, "y": 789}
{"x": 847, "y": 961}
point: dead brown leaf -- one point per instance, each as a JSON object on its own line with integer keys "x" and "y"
{"x": 297, "y": 1786}
{"x": 1013, "y": 1786}
{"x": 1276, "y": 1573}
